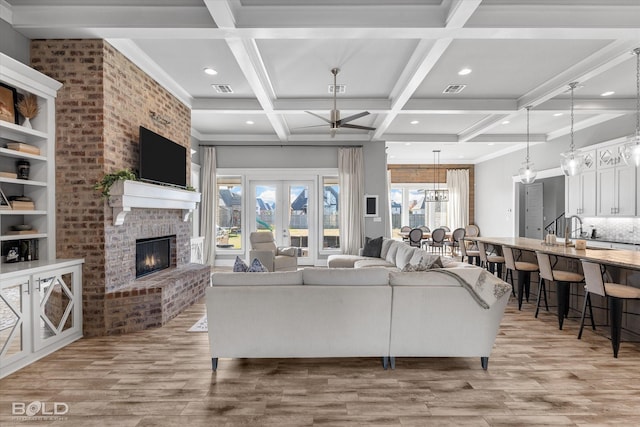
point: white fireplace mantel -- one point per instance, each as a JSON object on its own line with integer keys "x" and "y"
{"x": 125, "y": 195}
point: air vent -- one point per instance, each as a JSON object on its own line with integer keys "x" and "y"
{"x": 223, "y": 88}
{"x": 454, "y": 88}
{"x": 339, "y": 88}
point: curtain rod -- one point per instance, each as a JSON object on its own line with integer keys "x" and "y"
{"x": 281, "y": 145}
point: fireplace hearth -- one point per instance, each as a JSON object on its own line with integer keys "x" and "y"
{"x": 153, "y": 255}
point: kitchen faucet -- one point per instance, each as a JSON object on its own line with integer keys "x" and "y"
{"x": 567, "y": 228}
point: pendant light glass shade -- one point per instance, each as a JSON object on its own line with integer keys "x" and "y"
{"x": 527, "y": 171}
{"x": 572, "y": 160}
{"x": 631, "y": 152}
{"x": 436, "y": 195}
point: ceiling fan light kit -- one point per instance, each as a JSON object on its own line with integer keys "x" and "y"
{"x": 631, "y": 152}
{"x": 573, "y": 160}
{"x": 334, "y": 121}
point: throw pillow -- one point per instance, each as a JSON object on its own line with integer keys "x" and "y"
{"x": 257, "y": 267}
{"x": 240, "y": 266}
{"x": 372, "y": 247}
{"x": 424, "y": 264}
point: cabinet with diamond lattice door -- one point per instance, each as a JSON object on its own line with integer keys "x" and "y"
{"x": 40, "y": 311}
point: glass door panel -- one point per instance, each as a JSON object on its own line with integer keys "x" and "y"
{"x": 14, "y": 300}
{"x": 56, "y": 306}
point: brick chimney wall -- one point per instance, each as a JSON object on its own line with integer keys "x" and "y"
{"x": 103, "y": 101}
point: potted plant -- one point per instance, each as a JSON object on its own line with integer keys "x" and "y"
{"x": 28, "y": 107}
{"x": 109, "y": 179}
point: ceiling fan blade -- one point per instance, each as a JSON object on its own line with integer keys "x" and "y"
{"x": 348, "y": 126}
{"x": 319, "y": 116}
{"x": 307, "y": 127}
{"x": 353, "y": 117}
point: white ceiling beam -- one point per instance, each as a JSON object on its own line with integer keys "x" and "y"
{"x": 459, "y": 106}
{"x": 227, "y": 105}
{"x": 582, "y": 124}
{"x": 460, "y": 12}
{"x": 221, "y": 13}
{"x": 6, "y": 12}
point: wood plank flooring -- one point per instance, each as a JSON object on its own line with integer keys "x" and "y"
{"x": 162, "y": 377}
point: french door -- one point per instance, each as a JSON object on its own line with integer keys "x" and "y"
{"x": 287, "y": 209}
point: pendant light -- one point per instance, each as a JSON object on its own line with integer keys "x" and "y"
{"x": 527, "y": 171}
{"x": 631, "y": 152}
{"x": 572, "y": 163}
{"x": 436, "y": 195}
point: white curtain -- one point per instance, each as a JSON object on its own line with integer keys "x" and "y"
{"x": 458, "y": 210}
{"x": 209, "y": 203}
{"x": 351, "y": 180}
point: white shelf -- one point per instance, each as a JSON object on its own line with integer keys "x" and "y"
{"x": 10, "y": 237}
{"x": 21, "y": 133}
{"x": 126, "y": 195}
{"x": 23, "y": 182}
{"x": 21, "y": 155}
{"x": 21, "y": 212}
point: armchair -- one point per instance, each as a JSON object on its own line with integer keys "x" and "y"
{"x": 274, "y": 258}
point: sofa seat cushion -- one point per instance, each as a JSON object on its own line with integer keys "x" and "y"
{"x": 372, "y": 262}
{"x": 343, "y": 261}
{"x": 251, "y": 279}
{"x": 345, "y": 276}
{"x": 285, "y": 263}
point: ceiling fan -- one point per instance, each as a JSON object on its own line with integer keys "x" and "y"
{"x": 335, "y": 122}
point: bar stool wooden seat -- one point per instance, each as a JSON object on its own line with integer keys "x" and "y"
{"x": 563, "y": 278}
{"x": 490, "y": 262}
{"x": 524, "y": 270}
{"x": 473, "y": 255}
{"x": 615, "y": 294}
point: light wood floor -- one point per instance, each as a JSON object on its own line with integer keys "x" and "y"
{"x": 537, "y": 376}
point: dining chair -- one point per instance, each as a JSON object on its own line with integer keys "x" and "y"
{"x": 456, "y": 237}
{"x": 563, "y": 280}
{"x": 404, "y": 232}
{"x": 415, "y": 237}
{"x": 437, "y": 239}
{"x": 524, "y": 270}
{"x": 615, "y": 293}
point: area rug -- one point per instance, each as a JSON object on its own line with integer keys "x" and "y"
{"x": 200, "y": 325}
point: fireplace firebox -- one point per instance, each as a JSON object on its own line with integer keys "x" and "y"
{"x": 152, "y": 255}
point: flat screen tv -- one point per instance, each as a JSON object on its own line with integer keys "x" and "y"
{"x": 162, "y": 161}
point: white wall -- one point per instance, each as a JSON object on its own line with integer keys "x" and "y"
{"x": 494, "y": 183}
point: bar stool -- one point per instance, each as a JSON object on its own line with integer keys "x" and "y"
{"x": 564, "y": 279}
{"x": 615, "y": 294}
{"x": 490, "y": 262}
{"x": 524, "y": 270}
{"x": 472, "y": 254}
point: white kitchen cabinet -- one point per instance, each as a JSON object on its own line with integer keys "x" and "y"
{"x": 580, "y": 190}
{"x": 616, "y": 185}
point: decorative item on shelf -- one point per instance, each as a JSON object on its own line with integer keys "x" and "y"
{"x": 527, "y": 171}
{"x": 572, "y": 162}
{"x": 8, "y": 101}
{"x": 23, "y": 148}
{"x": 21, "y": 229}
{"x": 10, "y": 175}
{"x": 4, "y": 202}
{"x": 28, "y": 107}
{"x": 631, "y": 151}
{"x": 107, "y": 181}
{"x": 22, "y": 169}
{"x": 436, "y": 194}
{"x": 21, "y": 203}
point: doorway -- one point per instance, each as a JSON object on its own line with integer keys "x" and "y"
{"x": 533, "y": 218}
{"x": 286, "y": 208}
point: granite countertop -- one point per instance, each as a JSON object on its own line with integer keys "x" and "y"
{"x": 615, "y": 257}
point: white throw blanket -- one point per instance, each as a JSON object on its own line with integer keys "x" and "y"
{"x": 483, "y": 286}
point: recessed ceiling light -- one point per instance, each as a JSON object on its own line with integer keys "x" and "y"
{"x": 557, "y": 114}
{"x": 491, "y": 143}
{"x": 414, "y": 122}
{"x": 506, "y": 122}
{"x": 210, "y": 71}
{"x": 607, "y": 93}
{"x": 464, "y": 71}
{"x": 249, "y": 122}
{"x": 407, "y": 143}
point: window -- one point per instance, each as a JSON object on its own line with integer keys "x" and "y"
{"x": 229, "y": 218}
{"x": 408, "y": 207}
{"x": 330, "y": 214}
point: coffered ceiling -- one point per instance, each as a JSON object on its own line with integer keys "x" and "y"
{"x": 396, "y": 57}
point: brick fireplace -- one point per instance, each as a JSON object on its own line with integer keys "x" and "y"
{"x": 103, "y": 101}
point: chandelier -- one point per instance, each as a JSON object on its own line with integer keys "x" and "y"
{"x": 572, "y": 163}
{"x": 436, "y": 195}
{"x": 631, "y": 152}
{"x": 527, "y": 171}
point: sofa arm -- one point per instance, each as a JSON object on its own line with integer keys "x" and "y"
{"x": 265, "y": 257}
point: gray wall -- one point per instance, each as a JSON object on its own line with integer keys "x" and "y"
{"x": 14, "y": 44}
{"x": 552, "y": 201}
{"x": 494, "y": 184}
{"x": 286, "y": 156}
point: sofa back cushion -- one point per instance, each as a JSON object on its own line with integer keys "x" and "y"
{"x": 421, "y": 278}
{"x": 386, "y": 244}
{"x": 404, "y": 255}
{"x": 393, "y": 251}
{"x": 345, "y": 276}
{"x": 246, "y": 279}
